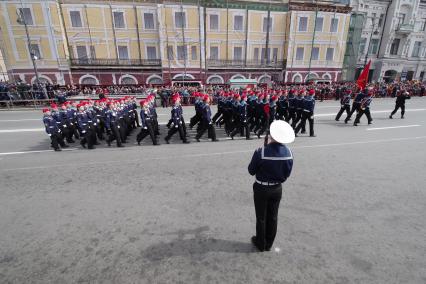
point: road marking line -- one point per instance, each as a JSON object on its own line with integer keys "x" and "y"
{"x": 373, "y": 112}
{"x": 36, "y": 151}
{"x": 22, "y": 130}
{"x": 18, "y": 120}
{"x": 206, "y": 154}
{"x": 393, "y": 127}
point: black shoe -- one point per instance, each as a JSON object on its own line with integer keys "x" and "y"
{"x": 258, "y": 136}
{"x": 390, "y": 116}
{"x": 215, "y": 140}
{"x": 336, "y": 119}
{"x": 58, "y": 150}
{"x": 370, "y": 122}
{"x": 167, "y": 140}
{"x": 254, "y": 242}
{"x": 139, "y": 143}
{"x": 70, "y": 141}
{"x": 198, "y": 139}
{"x": 303, "y": 132}
{"x": 83, "y": 145}
{"x": 402, "y": 117}
{"x": 346, "y": 122}
{"x": 120, "y": 146}
{"x": 91, "y": 148}
{"x": 65, "y": 146}
{"x": 186, "y": 142}
{"x": 355, "y": 124}
{"x": 313, "y": 135}
{"x": 97, "y": 143}
{"x": 249, "y": 138}
{"x": 232, "y": 137}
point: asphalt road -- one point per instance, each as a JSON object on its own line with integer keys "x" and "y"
{"x": 352, "y": 211}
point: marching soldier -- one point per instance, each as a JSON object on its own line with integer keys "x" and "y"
{"x": 242, "y": 123}
{"x": 206, "y": 122}
{"x": 307, "y": 114}
{"x": 112, "y": 125}
{"x": 147, "y": 124}
{"x": 53, "y": 130}
{"x": 282, "y": 107}
{"x": 86, "y": 131}
{"x": 177, "y": 116}
{"x": 400, "y": 103}
{"x": 355, "y": 105}
{"x": 345, "y": 104}
{"x": 291, "y": 107}
{"x": 364, "y": 109}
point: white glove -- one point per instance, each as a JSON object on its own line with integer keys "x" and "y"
{"x": 83, "y": 131}
{"x": 72, "y": 123}
{"x": 118, "y": 127}
{"x": 176, "y": 126}
{"x": 65, "y": 126}
{"x": 49, "y": 135}
{"x": 94, "y": 124}
{"x": 145, "y": 127}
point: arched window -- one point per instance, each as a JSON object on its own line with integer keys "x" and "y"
{"x": 215, "y": 79}
{"x": 155, "y": 81}
{"x": 297, "y": 78}
{"x": 128, "y": 81}
{"x": 88, "y": 81}
{"x": 264, "y": 79}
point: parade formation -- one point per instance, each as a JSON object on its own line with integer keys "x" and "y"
{"x": 245, "y": 112}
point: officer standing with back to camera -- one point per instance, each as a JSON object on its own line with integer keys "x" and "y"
{"x": 272, "y": 165}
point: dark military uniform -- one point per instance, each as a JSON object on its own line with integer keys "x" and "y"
{"x": 400, "y": 103}
{"x": 272, "y": 166}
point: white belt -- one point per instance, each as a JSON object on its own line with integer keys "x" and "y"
{"x": 267, "y": 183}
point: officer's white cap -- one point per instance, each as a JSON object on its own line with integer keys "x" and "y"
{"x": 282, "y": 132}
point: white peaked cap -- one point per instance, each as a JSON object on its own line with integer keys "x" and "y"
{"x": 282, "y": 132}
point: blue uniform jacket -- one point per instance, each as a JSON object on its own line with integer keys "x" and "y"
{"x": 346, "y": 100}
{"x": 110, "y": 118}
{"x": 272, "y": 163}
{"x": 291, "y": 101}
{"x": 176, "y": 115}
{"x": 299, "y": 102}
{"x": 145, "y": 117}
{"x": 309, "y": 104}
{"x": 207, "y": 113}
{"x": 83, "y": 121}
{"x": 359, "y": 97}
{"x": 50, "y": 124}
{"x": 242, "y": 111}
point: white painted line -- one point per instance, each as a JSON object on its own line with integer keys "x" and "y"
{"x": 22, "y": 130}
{"x": 373, "y": 112}
{"x": 31, "y": 152}
{"x": 393, "y": 127}
{"x": 18, "y": 120}
{"x": 204, "y": 154}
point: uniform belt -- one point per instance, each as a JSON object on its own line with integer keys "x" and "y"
{"x": 267, "y": 183}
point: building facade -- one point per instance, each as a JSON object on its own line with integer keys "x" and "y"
{"x": 166, "y": 42}
{"x": 393, "y": 37}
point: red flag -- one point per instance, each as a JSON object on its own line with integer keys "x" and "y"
{"x": 362, "y": 79}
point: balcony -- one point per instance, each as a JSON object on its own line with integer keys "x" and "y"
{"x": 404, "y": 29}
{"x": 115, "y": 63}
{"x": 249, "y": 64}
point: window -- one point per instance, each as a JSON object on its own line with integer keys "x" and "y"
{"x": 416, "y": 49}
{"x": 401, "y": 19}
{"x": 362, "y": 45}
{"x": 330, "y": 53}
{"x": 148, "y": 21}
{"x": 119, "y": 20}
{"x": 92, "y": 52}
{"x": 256, "y": 54}
{"x": 151, "y": 52}
{"x": 170, "y": 53}
{"x": 35, "y": 50}
{"x": 123, "y": 52}
{"x": 374, "y": 45}
{"x": 194, "y": 53}
{"x": 238, "y": 23}
{"x": 315, "y": 53}
{"x": 181, "y": 52}
{"x": 214, "y": 52}
{"x": 303, "y": 24}
{"x": 81, "y": 52}
{"x": 180, "y": 20}
{"x": 26, "y": 16}
{"x": 381, "y": 20}
{"x": 275, "y": 54}
{"x": 318, "y": 24}
{"x": 299, "y": 53}
{"x": 238, "y": 53}
{"x": 265, "y": 54}
{"x": 423, "y": 28}
{"x": 265, "y": 24}
{"x": 395, "y": 46}
{"x": 214, "y": 22}
{"x": 76, "y": 19}
{"x": 334, "y": 24}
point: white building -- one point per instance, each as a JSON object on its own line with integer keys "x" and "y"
{"x": 394, "y": 38}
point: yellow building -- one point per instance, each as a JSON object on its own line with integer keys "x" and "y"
{"x": 163, "y": 42}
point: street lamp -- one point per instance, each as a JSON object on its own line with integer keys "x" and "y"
{"x": 34, "y": 57}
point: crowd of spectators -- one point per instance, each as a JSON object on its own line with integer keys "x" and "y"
{"x": 24, "y": 92}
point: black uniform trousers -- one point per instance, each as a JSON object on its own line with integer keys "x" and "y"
{"x": 56, "y": 140}
{"x": 114, "y": 134}
{"x": 361, "y": 112}
{"x": 342, "y": 109}
{"x": 291, "y": 115}
{"x": 397, "y": 106}
{"x": 241, "y": 126}
{"x": 175, "y": 129}
{"x": 306, "y": 116}
{"x": 89, "y": 137}
{"x": 145, "y": 132}
{"x": 355, "y": 106}
{"x": 206, "y": 126}
{"x": 266, "y": 203}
